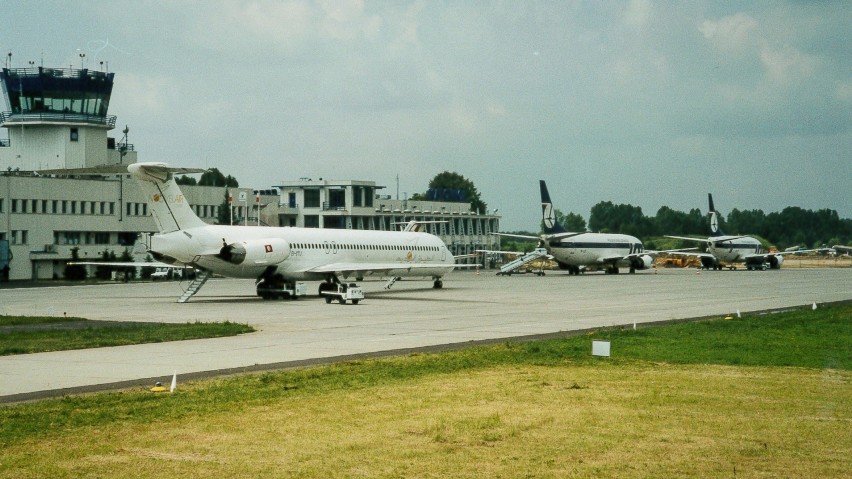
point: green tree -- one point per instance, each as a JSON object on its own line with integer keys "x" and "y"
{"x": 225, "y": 210}
{"x": 214, "y": 177}
{"x": 186, "y": 180}
{"x": 607, "y": 217}
{"x": 454, "y": 181}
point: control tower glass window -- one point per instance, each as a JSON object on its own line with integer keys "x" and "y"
{"x": 57, "y": 90}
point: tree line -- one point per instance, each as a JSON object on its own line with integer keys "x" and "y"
{"x": 792, "y": 226}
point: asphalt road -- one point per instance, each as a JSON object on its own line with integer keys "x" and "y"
{"x": 412, "y": 315}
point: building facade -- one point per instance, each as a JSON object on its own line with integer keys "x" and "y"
{"x": 352, "y": 204}
{"x": 56, "y": 120}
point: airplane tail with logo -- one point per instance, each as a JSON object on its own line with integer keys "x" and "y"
{"x": 168, "y": 206}
{"x": 548, "y": 216}
{"x": 714, "y": 218}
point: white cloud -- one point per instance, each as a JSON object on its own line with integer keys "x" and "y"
{"x": 731, "y": 33}
{"x": 786, "y": 65}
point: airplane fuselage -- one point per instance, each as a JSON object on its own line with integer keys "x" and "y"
{"x": 594, "y": 249}
{"x": 733, "y": 249}
{"x": 300, "y": 253}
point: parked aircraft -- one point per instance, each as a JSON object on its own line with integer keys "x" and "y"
{"x": 278, "y": 257}
{"x": 576, "y": 252}
{"x": 725, "y": 249}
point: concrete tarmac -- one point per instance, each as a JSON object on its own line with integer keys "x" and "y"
{"x": 470, "y": 307}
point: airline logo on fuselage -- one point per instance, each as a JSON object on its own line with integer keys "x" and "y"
{"x": 156, "y": 198}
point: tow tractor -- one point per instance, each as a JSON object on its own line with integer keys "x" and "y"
{"x": 345, "y": 292}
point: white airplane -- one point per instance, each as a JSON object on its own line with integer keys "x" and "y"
{"x": 576, "y": 252}
{"x": 278, "y": 257}
{"x": 726, "y": 249}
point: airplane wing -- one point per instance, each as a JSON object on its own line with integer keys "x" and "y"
{"x": 665, "y": 251}
{"x": 559, "y": 236}
{"x": 688, "y": 253}
{"x": 687, "y": 238}
{"x": 119, "y": 170}
{"x": 708, "y": 240}
{"x": 516, "y": 253}
{"x": 779, "y": 253}
{"x": 131, "y": 264}
{"x": 556, "y": 236}
{"x": 511, "y": 235}
{"x": 842, "y": 249}
{"x": 347, "y": 269}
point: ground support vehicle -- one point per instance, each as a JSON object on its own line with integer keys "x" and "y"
{"x": 345, "y": 292}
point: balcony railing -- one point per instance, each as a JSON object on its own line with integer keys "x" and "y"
{"x": 57, "y": 116}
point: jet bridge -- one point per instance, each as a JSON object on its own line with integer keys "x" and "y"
{"x": 507, "y": 268}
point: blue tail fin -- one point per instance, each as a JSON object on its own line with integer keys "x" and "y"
{"x": 548, "y": 216}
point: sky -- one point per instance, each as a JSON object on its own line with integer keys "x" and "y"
{"x": 637, "y": 102}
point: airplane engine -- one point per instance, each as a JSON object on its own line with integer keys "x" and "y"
{"x": 256, "y": 252}
{"x": 775, "y": 261}
{"x": 643, "y": 262}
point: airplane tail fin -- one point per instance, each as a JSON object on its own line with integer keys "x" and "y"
{"x": 168, "y": 206}
{"x": 714, "y": 218}
{"x": 548, "y": 216}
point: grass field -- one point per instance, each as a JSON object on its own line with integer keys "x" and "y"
{"x": 22, "y": 334}
{"x": 761, "y": 396}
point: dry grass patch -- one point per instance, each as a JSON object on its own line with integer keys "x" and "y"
{"x": 638, "y": 420}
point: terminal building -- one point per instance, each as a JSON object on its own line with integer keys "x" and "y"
{"x": 57, "y": 119}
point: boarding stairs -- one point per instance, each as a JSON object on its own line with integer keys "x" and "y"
{"x": 532, "y": 256}
{"x": 201, "y": 277}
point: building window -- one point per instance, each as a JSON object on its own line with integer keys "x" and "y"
{"x": 311, "y": 221}
{"x": 72, "y": 237}
{"x": 312, "y": 198}
{"x": 101, "y": 238}
{"x": 14, "y": 206}
{"x": 75, "y": 134}
{"x": 337, "y": 199}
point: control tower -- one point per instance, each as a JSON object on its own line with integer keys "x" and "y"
{"x": 57, "y": 118}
